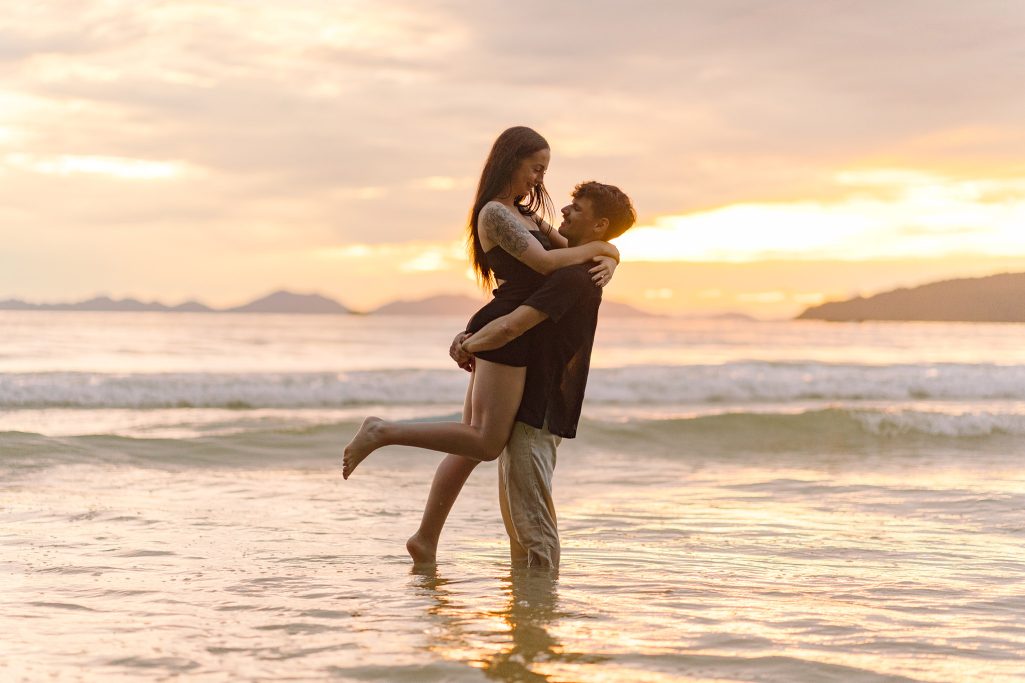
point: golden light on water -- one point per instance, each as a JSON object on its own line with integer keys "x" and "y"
{"x": 721, "y": 572}
{"x": 767, "y": 563}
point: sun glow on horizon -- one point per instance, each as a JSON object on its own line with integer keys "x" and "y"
{"x": 951, "y": 227}
{"x": 887, "y": 214}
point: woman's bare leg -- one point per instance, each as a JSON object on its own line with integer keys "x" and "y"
{"x": 449, "y": 478}
{"x": 448, "y": 481}
{"x": 497, "y": 390}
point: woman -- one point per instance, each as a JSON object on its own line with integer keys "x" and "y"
{"x": 505, "y": 239}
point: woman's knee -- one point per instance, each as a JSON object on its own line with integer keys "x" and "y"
{"x": 490, "y": 453}
{"x": 493, "y": 447}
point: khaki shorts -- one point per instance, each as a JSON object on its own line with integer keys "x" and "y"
{"x": 525, "y": 471}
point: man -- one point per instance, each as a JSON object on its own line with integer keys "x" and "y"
{"x": 565, "y": 310}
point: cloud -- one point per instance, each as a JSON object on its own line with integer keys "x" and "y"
{"x": 319, "y": 123}
{"x": 133, "y": 169}
{"x": 887, "y": 213}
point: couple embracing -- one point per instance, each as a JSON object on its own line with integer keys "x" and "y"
{"x": 528, "y": 350}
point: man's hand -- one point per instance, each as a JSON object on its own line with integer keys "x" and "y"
{"x": 458, "y": 354}
{"x": 602, "y": 273}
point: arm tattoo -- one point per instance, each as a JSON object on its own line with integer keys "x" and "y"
{"x": 504, "y": 229}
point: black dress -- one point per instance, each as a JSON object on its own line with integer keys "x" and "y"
{"x": 519, "y": 282}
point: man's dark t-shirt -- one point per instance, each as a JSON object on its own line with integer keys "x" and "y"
{"x": 556, "y": 377}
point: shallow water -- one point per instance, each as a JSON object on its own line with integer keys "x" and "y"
{"x": 775, "y": 502}
{"x": 673, "y": 569}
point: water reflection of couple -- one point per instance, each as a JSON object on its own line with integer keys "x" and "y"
{"x": 528, "y": 349}
{"x": 519, "y": 649}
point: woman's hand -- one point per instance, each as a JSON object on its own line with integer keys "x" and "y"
{"x": 609, "y": 249}
{"x": 602, "y": 273}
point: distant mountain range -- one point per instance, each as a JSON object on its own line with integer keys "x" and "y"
{"x": 997, "y": 298}
{"x": 444, "y": 304}
{"x": 287, "y": 302}
{"x": 278, "y": 302}
{"x": 103, "y": 303}
{"x": 291, "y": 303}
{"x": 455, "y": 304}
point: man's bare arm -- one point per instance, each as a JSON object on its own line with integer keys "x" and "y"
{"x": 501, "y": 331}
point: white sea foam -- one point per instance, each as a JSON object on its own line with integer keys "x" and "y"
{"x": 895, "y": 423}
{"x": 782, "y": 382}
{"x": 729, "y": 383}
{"x": 801, "y": 428}
{"x": 891, "y": 422}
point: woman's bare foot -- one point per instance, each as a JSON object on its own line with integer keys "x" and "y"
{"x": 366, "y": 441}
{"x": 421, "y": 550}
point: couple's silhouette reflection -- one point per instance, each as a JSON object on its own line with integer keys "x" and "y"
{"x": 525, "y": 650}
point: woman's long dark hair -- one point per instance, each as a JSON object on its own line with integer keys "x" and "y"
{"x": 512, "y": 147}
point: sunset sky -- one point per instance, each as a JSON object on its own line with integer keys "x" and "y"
{"x": 779, "y": 154}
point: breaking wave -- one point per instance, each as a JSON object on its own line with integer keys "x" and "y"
{"x": 637, "y": 385}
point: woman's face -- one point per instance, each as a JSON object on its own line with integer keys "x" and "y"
{"x": 531, "y": 172}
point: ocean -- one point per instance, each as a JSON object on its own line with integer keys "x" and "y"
{"x": 746, "y": 501}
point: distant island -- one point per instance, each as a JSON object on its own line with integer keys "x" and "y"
{"x": 996, "y": 299}
{"x": 284, "y": 302}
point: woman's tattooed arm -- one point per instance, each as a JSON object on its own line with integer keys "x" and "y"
{"x": 504, "y": 229}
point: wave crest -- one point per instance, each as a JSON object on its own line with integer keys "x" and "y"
{"x": 640, "y": 385}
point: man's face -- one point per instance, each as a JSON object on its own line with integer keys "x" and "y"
{"x": 578, "y": 221}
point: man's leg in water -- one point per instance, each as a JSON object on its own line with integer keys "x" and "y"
{"x": 517, "y": 553}
{"x": 525, "y": 471}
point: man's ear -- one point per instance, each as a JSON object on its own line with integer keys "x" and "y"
{"x": 600, "y": 227}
